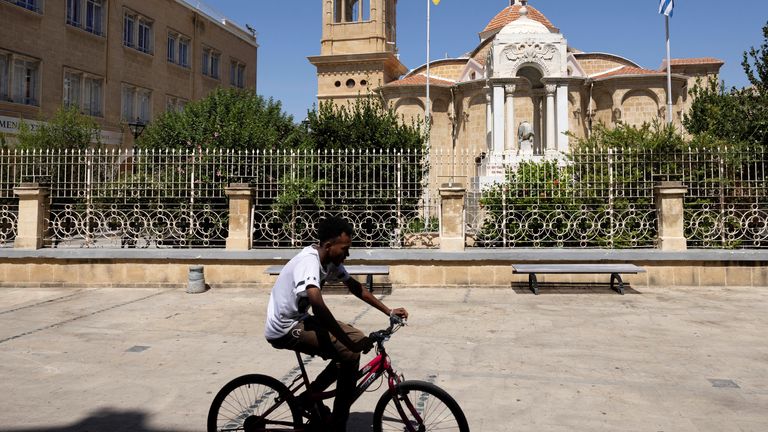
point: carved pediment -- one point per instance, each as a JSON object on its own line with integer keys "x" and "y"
{"x": 529, "y": 51}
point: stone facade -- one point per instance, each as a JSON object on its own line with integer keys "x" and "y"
{"x": 523, "y": 70}
{"x": 358, "y": 48}
{"x": 88, "y": 45}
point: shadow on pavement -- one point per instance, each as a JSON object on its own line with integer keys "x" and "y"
{"x": 360, "y": 422}
{"x": 106, "y": 420}
{"x": 571, "y": 288}
{"x": 111, "y": 420}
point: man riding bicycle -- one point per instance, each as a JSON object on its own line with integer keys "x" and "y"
{"x": 289, "y": 326}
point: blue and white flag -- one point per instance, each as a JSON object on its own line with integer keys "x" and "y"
{"x": 666, "y": 6}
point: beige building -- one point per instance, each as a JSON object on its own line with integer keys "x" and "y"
{"x": 513, "y": 97}
{"x": 119, "y": 61}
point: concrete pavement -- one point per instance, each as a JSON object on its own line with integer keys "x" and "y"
{"x": 150, "y": 360}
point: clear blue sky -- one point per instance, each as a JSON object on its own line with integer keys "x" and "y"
{"x": 289, "y": 31}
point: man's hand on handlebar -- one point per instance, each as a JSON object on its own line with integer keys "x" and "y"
{"x": 399, "y": 312}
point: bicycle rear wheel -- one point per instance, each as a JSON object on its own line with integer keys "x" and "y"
{"x": 254, "y": 403}
{"x": 435, "y": 410}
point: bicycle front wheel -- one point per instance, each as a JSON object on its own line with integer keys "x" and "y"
{"x": 421, "y": 405}
{"x": 254, "y": 403}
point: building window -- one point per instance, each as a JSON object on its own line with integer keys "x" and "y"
{"x": 172, "y": 41}
{"x": 84, "y": 91}
{"x": 211, "y": 60}
{"x": 94, "y": 16}
{"x": 136, "y": 104}
{"x": 175, "y": 104}
{"x": 92, "y": 10}
{"x": 129, "y": 23}
{"x": 33, "y": 5}
{"x": 237, "y": 74}
{"x": 145, "y": 36}
{"x": 178, "y": 49}
{"x": 184, "y": 52}
{"x": 74, "y": 8}
{"x": 137, "y": 32}
{"x": 19, "y": 79}
{"x": 351, "y": 11}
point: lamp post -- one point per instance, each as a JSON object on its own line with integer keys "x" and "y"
{"x": 136, "y": 127}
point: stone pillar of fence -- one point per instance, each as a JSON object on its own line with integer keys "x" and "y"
{"x": 33, "y": 210}
{"x": 240, "y": 203}
{"x": 452, "y": 217}
{"x": 669, "y": 204}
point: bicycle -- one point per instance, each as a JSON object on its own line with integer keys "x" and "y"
{"x": 260, "y": 403}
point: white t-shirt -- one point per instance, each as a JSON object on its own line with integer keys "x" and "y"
{"x": 288, "y": 302}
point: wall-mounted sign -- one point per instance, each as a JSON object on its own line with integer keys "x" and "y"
{"x": 11, "y": 125}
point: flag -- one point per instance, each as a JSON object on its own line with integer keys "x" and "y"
{"x": 666, "y": 6}
{"x": 436, "y": 2}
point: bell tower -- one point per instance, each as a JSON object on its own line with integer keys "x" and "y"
{"x": 358, "y": 50}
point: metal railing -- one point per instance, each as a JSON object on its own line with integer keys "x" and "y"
{"x": 605, "y": 198}
{"x": 587, "y": 200}
{"x": 177, "y": 199}
{"x": 381, "y": 193}
{"x": 9, "y": 204}
{"x": 591, "y": 198}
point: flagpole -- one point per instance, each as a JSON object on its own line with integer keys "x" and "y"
{"x": 427, "y": 124}
{"x": 427, "y": 110}
{"x": 669, "y": 75}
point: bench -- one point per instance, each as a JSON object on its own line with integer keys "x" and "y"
{"x": 354, "y": 270}
{"x": 615, "y": 270}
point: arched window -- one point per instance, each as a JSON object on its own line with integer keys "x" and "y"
{"x": 345, "y": 11}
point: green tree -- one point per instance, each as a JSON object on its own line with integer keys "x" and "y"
{"x": 758, "y": 58}
{"x": 738, "y": 116}
{"x": 67, "y": 129}
{"x": 232, "y": 119}
{"x": 364, "y": 124}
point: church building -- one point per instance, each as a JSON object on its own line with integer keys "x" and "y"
{"x": 515, "y": 96}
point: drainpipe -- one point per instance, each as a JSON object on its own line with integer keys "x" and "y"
{"x": 454, "y": 133}
{"x": 590, "y": 114}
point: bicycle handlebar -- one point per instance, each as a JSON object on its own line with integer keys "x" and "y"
{"x": 395, "y": 322}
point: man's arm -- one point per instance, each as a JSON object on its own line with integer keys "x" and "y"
{"x": 363, "y": 294}
{"x": 323, "y": 314}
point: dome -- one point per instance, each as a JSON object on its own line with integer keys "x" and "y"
{"x": 512, "y": 13}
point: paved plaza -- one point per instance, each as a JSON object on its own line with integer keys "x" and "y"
{"x": 571, "y": 359}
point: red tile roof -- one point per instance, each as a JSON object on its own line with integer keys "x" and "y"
{"x": 419, "y": 80}
{"x": 692, "y": 62}
{"x": 511, "y": 13}
{"x": 696, "y": 61}
{"x": 626, "y": 70}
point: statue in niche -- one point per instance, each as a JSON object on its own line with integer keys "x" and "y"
{"x": 525, "y": 137}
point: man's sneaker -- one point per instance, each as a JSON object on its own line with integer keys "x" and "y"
{"x": 322, "y": 424}
{"x": 325, "y": 412}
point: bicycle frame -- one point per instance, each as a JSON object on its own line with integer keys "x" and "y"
{"x": 379, "y": 366}
{"x": 368, "y": 374}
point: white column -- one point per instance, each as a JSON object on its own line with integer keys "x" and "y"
{"x": 537, "y": 119}
{"x": 498, "y": 119}
{"x": 551, "y": 144}
{"x": 488, "y": 120}
{"x": 562, "y": 118}
{"x": 510, "y": 144}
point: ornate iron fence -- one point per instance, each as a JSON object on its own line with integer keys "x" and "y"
{"x": 118, "y": 199}
{"x": 606, "y": 199}
{"x": 590, "y": 199}
{"x": 9, "y": 204}
{"x": 175, "y": 199}
{"x": 726, "y": 205}
{"x": 382, "y": 193}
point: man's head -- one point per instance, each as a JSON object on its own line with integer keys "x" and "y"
{"x": 335, "y": 236}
